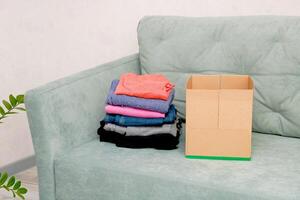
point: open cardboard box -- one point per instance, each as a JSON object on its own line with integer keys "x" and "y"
{"x": 219, "y": 117}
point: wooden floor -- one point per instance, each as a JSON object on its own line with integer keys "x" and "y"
{"x": 29, "y": 180}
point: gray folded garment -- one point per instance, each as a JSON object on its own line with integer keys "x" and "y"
{"x": 142, "y": 130}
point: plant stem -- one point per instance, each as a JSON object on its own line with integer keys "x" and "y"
{"x": 6, "y": 113}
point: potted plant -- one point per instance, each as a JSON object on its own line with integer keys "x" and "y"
{"x": 10, "y": 183}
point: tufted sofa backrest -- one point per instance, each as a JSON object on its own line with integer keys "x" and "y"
{"x": 265, "y": 47}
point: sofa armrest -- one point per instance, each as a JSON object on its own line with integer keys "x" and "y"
{"x": 66, "y": 113}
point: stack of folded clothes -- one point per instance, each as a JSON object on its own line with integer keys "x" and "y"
{"x": 140, "y": 113}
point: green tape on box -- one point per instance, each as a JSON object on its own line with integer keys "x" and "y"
{"x": 219, "y": 158}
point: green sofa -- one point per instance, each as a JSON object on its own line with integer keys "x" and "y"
{"x": 64, "y": 116}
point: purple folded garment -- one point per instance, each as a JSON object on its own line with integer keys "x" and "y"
{"x": 136, "y": 102}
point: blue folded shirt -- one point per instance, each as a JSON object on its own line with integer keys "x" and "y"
{"x": 136, "y": 102}
{"x": 122, "y": 120}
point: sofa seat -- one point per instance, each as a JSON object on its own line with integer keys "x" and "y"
{"x": 103, "y": 171}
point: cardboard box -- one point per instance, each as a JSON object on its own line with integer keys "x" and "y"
{"x": 219, "y": 117}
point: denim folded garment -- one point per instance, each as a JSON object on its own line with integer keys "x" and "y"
{"x": 137, "y": 102}
{"x": 122, "y": 120}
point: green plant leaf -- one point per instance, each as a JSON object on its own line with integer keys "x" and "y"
{"x": 13, "y": 100}
{"x": 7, "y": 105}
{"x": 20, "y": 195}
{"x": 3, "y": 178}
{"x": 17, "y": 185}
{"x": 2, "y": 112}
{"x": 11, "y": 181}
{"x": 11, "y": 106}
{"x": 22, "y": 190}
{"x": 20, "y": 108}
{"x": 10, "y": 113}
{"x": 20, "y": 98}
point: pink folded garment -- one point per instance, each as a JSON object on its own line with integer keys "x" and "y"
{"x": 134, "y": 112}
{"x": 148, "y": 86}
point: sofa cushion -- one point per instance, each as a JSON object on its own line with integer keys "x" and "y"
{"x": 265, "y": 47}
{"x": 103, "y": 171}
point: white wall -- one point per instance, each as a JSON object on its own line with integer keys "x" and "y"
{"x": 41, "y": 41}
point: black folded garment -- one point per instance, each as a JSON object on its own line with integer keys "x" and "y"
{"x": 164, "y": 141}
